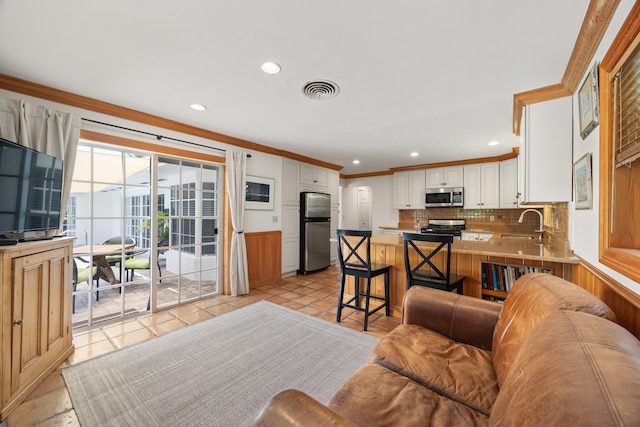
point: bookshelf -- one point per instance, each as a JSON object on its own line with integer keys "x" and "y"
{"x": 497, "y": 278}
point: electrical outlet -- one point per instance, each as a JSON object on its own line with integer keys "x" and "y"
{"x": 492, "y": 218}
{"x": 275, "y": 218}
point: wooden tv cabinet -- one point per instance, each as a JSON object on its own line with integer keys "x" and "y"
{"x": 35, "y": 316}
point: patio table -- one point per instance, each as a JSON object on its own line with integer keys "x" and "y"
{"x": 99, "y": 253}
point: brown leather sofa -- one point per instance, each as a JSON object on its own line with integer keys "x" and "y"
{"x": 551, "y": 355}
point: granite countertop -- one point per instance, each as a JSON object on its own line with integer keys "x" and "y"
{"x": 497, "y": 246}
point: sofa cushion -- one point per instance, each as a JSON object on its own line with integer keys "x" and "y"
{"x": 377, "y": 396}
{"x": 459, "y": 371}
{"x": 574, "y": 369}
{"x": 532, "y": 298}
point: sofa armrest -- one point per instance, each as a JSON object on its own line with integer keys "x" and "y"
{"x": 461, "y": 318}
{"x": 295, "y": 408}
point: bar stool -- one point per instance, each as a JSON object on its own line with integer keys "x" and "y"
{"x": 424, "y": 272}
{"x": 354, "y": 254}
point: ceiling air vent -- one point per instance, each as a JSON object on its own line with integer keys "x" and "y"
{"x": 320, "y": 89}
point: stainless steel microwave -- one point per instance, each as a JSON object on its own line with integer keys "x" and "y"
{"x": 444, "y": 197}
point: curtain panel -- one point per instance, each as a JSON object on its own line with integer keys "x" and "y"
{"x": 236, "y": 166}
{"x": 44, "y": 130}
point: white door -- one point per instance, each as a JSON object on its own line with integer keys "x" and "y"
{"x": 364, "y": 208}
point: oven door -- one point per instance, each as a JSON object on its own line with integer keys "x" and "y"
{"x": 438, "y": 197}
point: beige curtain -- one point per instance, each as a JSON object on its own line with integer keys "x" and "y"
{"x": 44, "y": 130}
{"x": 236, "y": 167}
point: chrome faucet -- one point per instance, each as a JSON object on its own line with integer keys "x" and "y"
{"x": 540, "y": 230}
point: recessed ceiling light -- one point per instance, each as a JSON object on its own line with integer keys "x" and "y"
{"x": 415, "y": 154}
{"x": 198, "y": 107}
{"x": 356, "y": 162}
{"x": 494, "y": 143}
{"x": 270, "y": 68}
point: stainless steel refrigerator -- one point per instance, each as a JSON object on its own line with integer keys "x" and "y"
{"x": 315, "y": 222}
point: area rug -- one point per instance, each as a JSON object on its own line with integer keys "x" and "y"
{"x": 219, "y": 372}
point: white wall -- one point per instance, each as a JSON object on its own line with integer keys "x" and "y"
{"x": 265, "y": 166}
{"x": 583, "y": 233}
{"x": 382, "y": 210}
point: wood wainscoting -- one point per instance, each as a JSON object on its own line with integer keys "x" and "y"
{"x": 624, "y": 302}
{"x": 264, "y": 253}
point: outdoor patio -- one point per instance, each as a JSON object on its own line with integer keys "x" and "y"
{"x": 136, "y": 295}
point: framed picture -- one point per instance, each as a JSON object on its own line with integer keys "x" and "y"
{"x": 582, "y": 181}
{"x": 588, "y": 103}
{"x": 258, "y": 193}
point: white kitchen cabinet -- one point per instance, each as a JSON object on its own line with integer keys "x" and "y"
{"x": 509, "y": 191}
{"x": 445, "y": 177}
{"x": 313, "y": 178}
{"x": 409, "y": 189}
{"x": 333, "y": 183}
{"x": 290, "y": 216}
{"x": 546, "y": 150}
{"x": 482, "y": 186}
{"x": 481, "y": 237}
{"x": 333, "y": 236}
{"x": 291, "y": 182}
{"x": 290, "y": 238}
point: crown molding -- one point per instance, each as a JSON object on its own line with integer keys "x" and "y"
{"x": 36, "y": 90}
{"x": 594, "y": 26}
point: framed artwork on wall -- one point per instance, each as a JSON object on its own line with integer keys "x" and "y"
{"x": 259, "y": 193}
{"x": 588, "y": 102}
{"x": 583, "y": 184}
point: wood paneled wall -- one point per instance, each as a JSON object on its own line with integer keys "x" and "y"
{"x": 624, "y": 302}
{"x": 264, "y": 256}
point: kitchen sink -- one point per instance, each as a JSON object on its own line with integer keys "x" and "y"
{"x": 516, "y": 236}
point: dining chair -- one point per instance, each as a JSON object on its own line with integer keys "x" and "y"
{"x": 83, "y": 274}
{"x": 139, "y": 263}
{"x": 114, "y": 260}
{"x": 354, "y": 254}
{"x": 431, "y": 265}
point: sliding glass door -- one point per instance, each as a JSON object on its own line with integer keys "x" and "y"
{"x": 190, "y": 246}
{"x": 146, "y": 228}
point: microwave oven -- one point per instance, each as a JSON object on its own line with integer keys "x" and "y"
{"x": 444, "y": 197}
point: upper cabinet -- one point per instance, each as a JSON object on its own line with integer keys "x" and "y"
{"x": 546, "y": 151}
{"x": 333, "y": 183}
{"x": 291, "y": 182}
{"x": 482, "y": 186}
{"x": 445, "y": 177}
{"x": 509, "y": 191}
{"x": 314, "y": 178}
{"x": 409, "y": 189}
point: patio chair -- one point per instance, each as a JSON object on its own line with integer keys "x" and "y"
{"x": 84, "y": 274}
{"x": 114, "y": 260}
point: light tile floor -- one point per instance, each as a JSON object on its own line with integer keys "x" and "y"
{"x": 314, "y": 294}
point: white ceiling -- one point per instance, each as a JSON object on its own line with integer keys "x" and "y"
{"x": 436, "y": 77}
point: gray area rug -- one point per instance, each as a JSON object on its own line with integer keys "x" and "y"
{"x": 219, "y": 372}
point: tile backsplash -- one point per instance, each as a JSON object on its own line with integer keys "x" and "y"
{"x": 496, "y": 220}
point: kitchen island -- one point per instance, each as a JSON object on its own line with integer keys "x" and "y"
{"x": 471, "y": 259}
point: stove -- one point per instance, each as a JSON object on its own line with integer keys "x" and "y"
{"x": 444, "y": 226}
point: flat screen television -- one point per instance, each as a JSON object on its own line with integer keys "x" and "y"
{"x": 30, "y": 190}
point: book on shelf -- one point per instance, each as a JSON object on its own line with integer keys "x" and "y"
{"x": 501, "y": 277}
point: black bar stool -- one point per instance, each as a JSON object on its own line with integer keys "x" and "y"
{"x": 425, "y": 272}
{"x": 355, "y": 260}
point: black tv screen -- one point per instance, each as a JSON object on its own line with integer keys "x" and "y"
{"x": 30, "y": 189}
